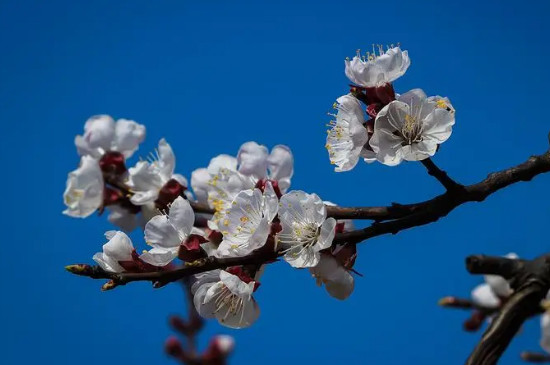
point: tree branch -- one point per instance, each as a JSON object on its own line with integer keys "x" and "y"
{"x": 441, "y": 175}
{"x": 432, "y": 210}
{"x": 531, "y": 281}
{"x": 161, "y": 278}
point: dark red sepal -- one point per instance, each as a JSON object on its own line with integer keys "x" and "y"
{"x": 168, "y": 193}
{"x": 113, "y": 163}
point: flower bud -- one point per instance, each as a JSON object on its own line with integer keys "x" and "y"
{"x": 110, "y": 285}
{"x": 218, "y": 350}
{"x": 474, "y": 322}
{"x": 80, "y": 269}
{"x": 173, "y": 347}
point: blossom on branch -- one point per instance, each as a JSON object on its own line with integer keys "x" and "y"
{"x": 411, "y": 127}
{"x": 154, "y": 181}
{"x": 226, "y": 176}
{"x": 84, "y": 192}
{"x": 102, "y": 134}
{"x": 119, "y": 249}
{"x": 377, "y": 68}
{"x": 305, "y": 228}
{"x": 246, "y": 225}
{"x": 166, "y": 233}
{"x": 227, "y": 296}
{"x": 347, "y": 137}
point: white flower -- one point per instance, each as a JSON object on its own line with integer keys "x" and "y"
{"x": 103, "y": 134}
{"x": 226, "y": 175}
{"x": 254, "y": 161}
{"x": 227, "y": 298}
{"x": 373, "y": 70}
{"x": 493, "y": 290}
{"x": 119, "y": 248}
{"x": 305, "y": 229}
{"x": 545, "y": 332}
{"x": 411, "y": 127}
{"x": 338, "y": 281}
{"x": 246, "y": 224}
{"x": 146, "y": 179}
{"x": 84, "y": 192}
{"x": 347, "y": 137}
{"x": 165, "y": 233}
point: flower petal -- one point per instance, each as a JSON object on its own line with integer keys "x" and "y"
{"x": 181, "y": 216}
{"x": 159, "y": 232}
{"x": 128, "y": 136}
{"x": 252, "y": 159}
{"x": 281, "y": 166}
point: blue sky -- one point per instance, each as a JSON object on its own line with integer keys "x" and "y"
{"x": 211, "y": 75}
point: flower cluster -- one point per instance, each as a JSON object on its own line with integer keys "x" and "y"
{"x": 374, "y": 123}
{"x": 250, "y": 212}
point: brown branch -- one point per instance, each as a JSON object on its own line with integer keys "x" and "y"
{"x": 441, "y": 175}
{"x": 535, "y": 357}
{"x": 432, "y": 210}
{"x": 161, "y": 278}
{"x": 531, "y": 281}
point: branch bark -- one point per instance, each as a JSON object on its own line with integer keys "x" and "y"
{"x": 413, "y": 215}
{"x": 531, "y": 282}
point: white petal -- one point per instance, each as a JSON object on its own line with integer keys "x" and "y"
{"x": 499, "y": 285}
{"x": 84, "y": 192}
{"x": 382, "y": 69}
{"x": 166, "y": 162}
{"x": 270, "y": 204}
{"x": 119, "y": 247}
{"x": 128, "y": 136}
{"x": 159, "y": 256}
{"x": 123, "y": 219}
{"x": 341, "y": 287}
{"x": 298, "y": 206}
{"x": 484, "y": 296}
{"x": 236, "y": 285}
{"x": 144, "y": 177}
{"x": 327, "y": 234}
{"x": 99, "y": 132}
{"x": 222, "y": 162}
{"x": 212, "y": 276}
{"x": 181, "y": 216}
{"x": 107, "y": 263}
{"x": 160, "y": 233}
{"x": 252, "y": 159}
{"x": 199, "y": 184}
{"x": 205, "y": 309}
{"x": 300, "y": 258}
{"x": 281, "y": 166}
{"x": 346, "y": 138}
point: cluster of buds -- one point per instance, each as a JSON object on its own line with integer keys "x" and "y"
{"x": 217, "y": 352}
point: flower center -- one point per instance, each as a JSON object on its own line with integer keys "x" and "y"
{"x": 411, "y": 132}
